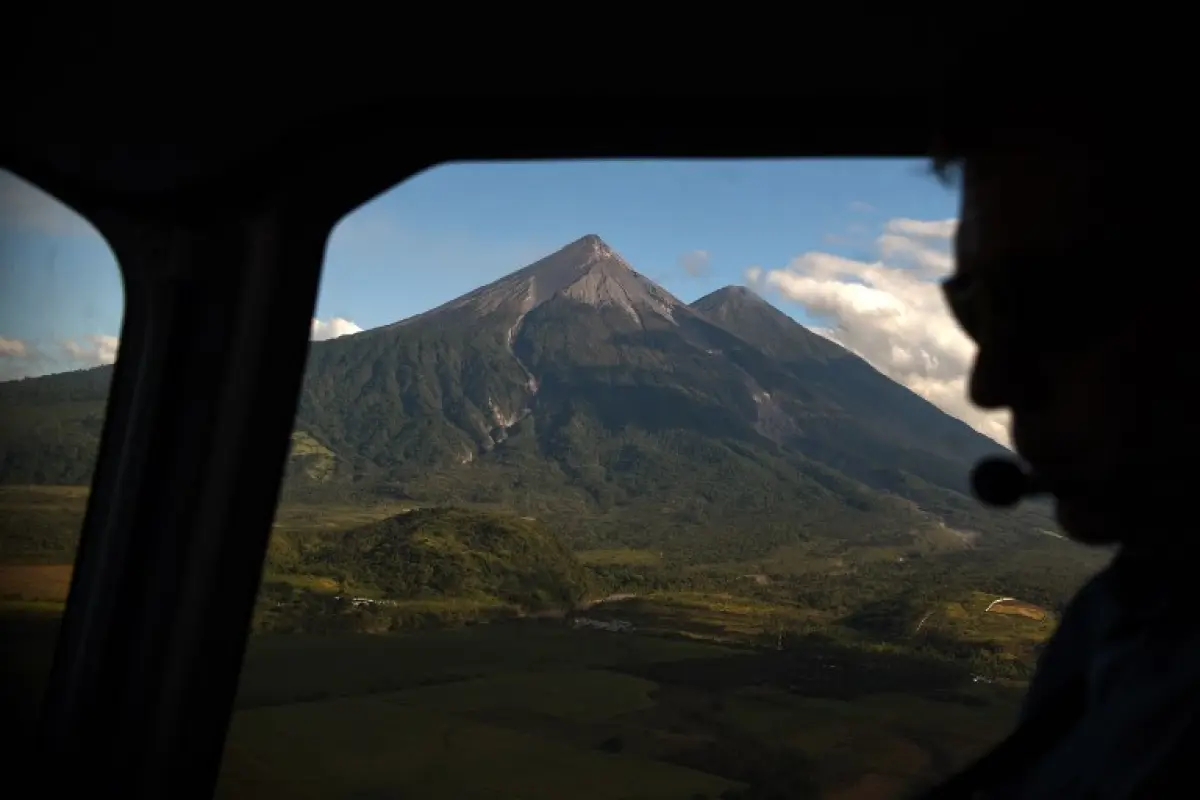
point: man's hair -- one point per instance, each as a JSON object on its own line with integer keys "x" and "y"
{"x": 972, "y": 126}
{"x": 1042, "y": 80}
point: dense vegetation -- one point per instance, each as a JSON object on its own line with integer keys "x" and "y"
{"x": 50, "y": 427}
{"x": 448, "y": 553}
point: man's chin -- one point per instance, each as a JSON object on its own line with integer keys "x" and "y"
{"x": 1088, "y": 523}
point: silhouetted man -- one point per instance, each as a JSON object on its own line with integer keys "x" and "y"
{"x": 1068, "y": 278}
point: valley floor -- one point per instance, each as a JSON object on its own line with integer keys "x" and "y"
{"x": 535, "y": 709}
{"x": 744, "y": 680}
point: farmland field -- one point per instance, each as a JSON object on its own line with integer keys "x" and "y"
{"x": 803, "y": 673}
{"x": 536, "y": 710}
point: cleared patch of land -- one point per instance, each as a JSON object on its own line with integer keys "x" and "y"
{"x": 1012, "y": 635}
{"x": 16, "y": 496}
{"x": 620, "y": 556}
{"x": 706, "y": 616}
{"x": 40, "y": 524}
{"x": 306, "y": 517}
{"x": 46, "y": 583}
{"x": 1022, "y": 609}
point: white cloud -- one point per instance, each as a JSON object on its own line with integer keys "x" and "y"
{"x": 332, "y": 329}
{"x": 891, "y": 313}
{"x": 22, "y": 358}
{"x": 92, "y": 351}
{"x": 13, "y": 348}
{"x": 18, "y": 359}
{"x": 695, "y": 262}
{"x": 938, "y": 229}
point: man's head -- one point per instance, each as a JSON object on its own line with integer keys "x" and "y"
{"x": 1080, "y": 322}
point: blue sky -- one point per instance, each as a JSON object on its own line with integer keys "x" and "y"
{"x": 459, "y": 226}
{"x": 829, "y": 241}
{"x": 456, "y": 227}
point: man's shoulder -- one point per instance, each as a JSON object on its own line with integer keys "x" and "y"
{"x": 1121, "y": 642}
{"x": 1065, "y": 657}
{"x": 1093, "y": 611}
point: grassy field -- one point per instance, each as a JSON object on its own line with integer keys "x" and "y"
{"x": 45, "y": 584}
{"x": 619, "y": 556}
{"x": 304, "y": 517}
{"x": 353, "y": 664}
{"x": 537, "y": 710}
{"x": 40, "y": 524}
{"x": 706, "y": 616}
{"x": 393, "y": 746}
{"x": 490, "y": 711}
{"x": 738, "y": 678}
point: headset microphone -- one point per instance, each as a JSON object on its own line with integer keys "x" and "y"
{"x": 1001, "y": 483}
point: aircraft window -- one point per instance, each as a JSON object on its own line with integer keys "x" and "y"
{"x": 608, "y": 480}
{"x": 641, "y": 479}
{"x": 61, "y": 305}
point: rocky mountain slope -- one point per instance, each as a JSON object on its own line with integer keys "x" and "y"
{"x": 581, "y": 392}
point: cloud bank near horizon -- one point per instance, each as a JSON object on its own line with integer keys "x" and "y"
{"x": 890, "y": 312}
